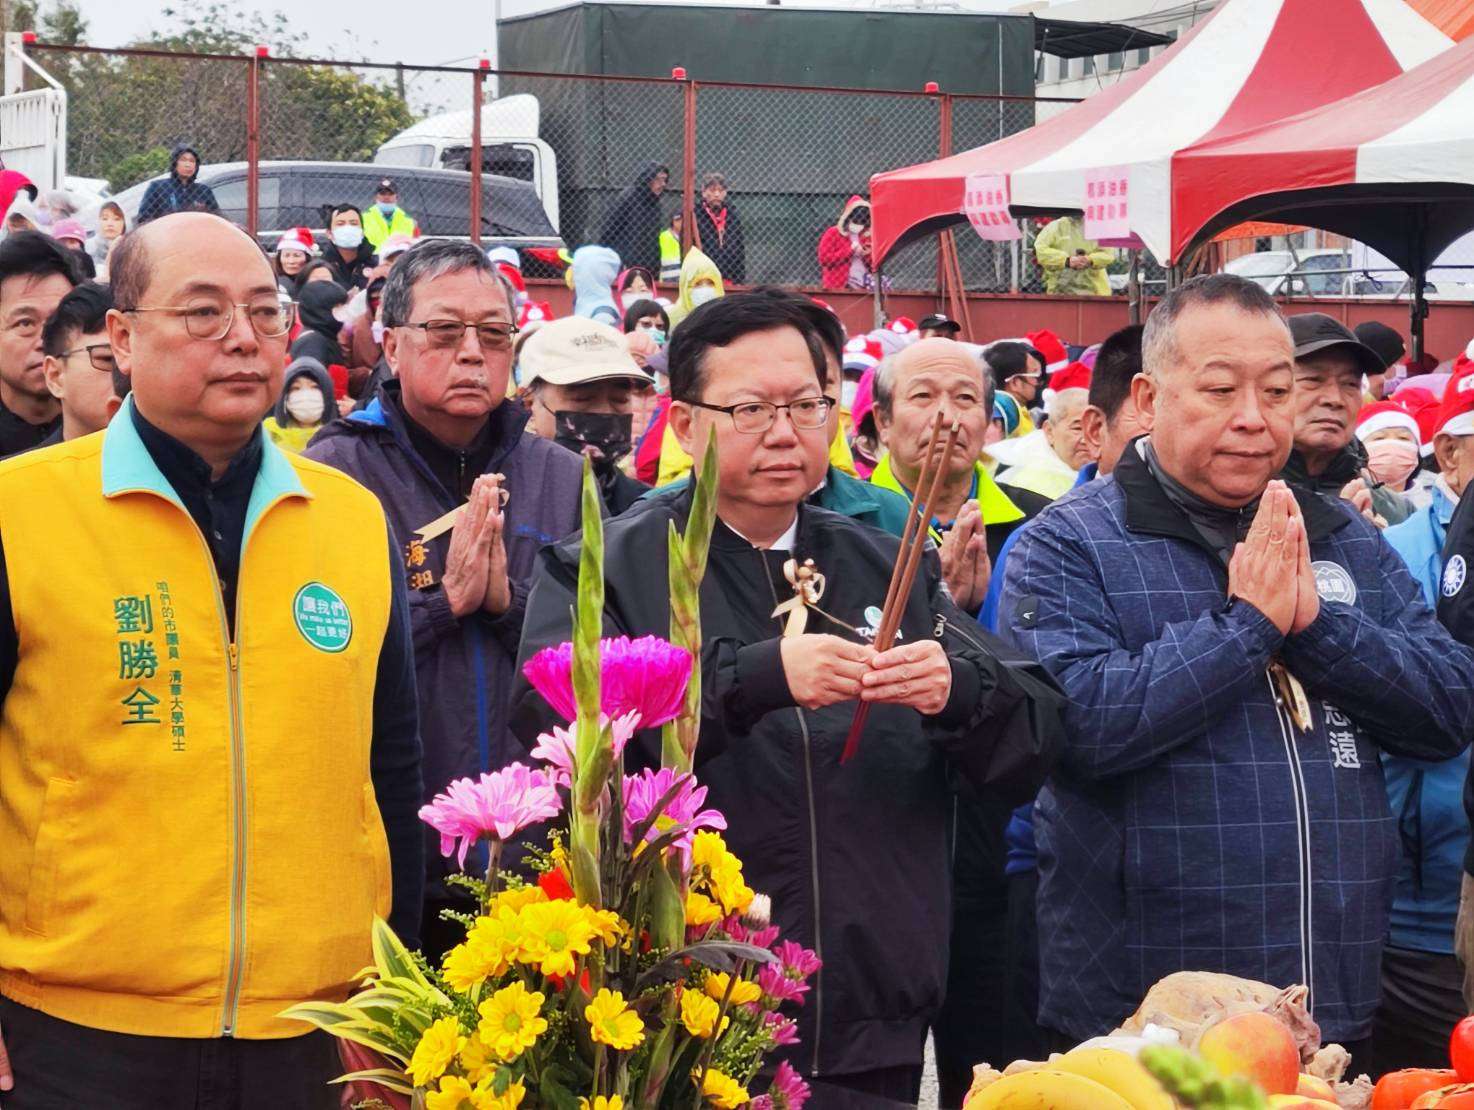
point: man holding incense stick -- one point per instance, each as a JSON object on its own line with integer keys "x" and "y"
{"x": 854, "y": 856}
{"x": 1237, "y": 654}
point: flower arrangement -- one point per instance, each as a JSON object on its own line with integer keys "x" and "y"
{"x": 634, "y": 967}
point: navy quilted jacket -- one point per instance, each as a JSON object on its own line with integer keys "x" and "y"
{"x": 1190, "y": 825}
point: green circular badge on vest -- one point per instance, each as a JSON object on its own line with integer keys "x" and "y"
{"x": 322, "y": 618}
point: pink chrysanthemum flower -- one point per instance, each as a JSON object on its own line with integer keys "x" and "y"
{"x": 497, "y": 806}
{"x": 643, "y": 791}
{"x": 556, "y": 748}
{"x": 784, "y": 1031}
{"x": 779, "y": 987}
{"x": 763, "y": 938}
{"x": 788, "y": 1091}
{"x": 798, "y": 961}
{"x": 647, "y": 676}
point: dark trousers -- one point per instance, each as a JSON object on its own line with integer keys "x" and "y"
{"x": 1422, "y": 1001}
{"x": 61, "y": 1066}
{"x": 881, "y": 1089}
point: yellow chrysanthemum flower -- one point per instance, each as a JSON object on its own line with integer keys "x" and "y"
{"x": 437, "y": 1048}
{"x": 511, "y": 1020}
{"x": 606, "y": 925}
{"x": 487, "y": 952}
{"x": 701, "y": 910}
{"x": 743, "y": 991}
{"x": 720, "y": 871}
{"x": 613, "y": 1023}
{"x": 478, "y": 1060}
{"x": 554, "y": 935}
{"x": 600, "y": 1102}
{"x": 699, "y": 1013}
{"x": 514, "y": 900}
{"x": 721, "y": 1090}
{"x": 707, "y": 849}
{"x": 509, "y": 1099}
{"x": 454, "y": 1093}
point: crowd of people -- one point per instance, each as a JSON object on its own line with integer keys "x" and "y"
{"x": 278, "y": 529}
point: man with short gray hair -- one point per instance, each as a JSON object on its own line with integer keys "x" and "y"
{"x": 438, "y": 438}
{"x": 1236, "y": 654}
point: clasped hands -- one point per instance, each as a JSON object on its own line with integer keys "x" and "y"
{"x": 1271, "y": 570}
{"x": 476, "y": 563}
{"x": 824, "y": 670}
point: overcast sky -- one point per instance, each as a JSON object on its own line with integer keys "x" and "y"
{"x": 425, "y": 32}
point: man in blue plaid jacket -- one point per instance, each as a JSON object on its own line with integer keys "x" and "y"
{"x": 1235, "y": 654}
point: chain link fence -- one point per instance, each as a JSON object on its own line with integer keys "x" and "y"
{"x": 566, "y": 159}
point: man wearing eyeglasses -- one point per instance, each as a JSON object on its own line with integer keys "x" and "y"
{"x": 81, "y": 372}
{"x": 855, "y": 856}
{"x": 36, "y": 272}
{"x": 441, "y": 438}
{"x": 209, "y": 766}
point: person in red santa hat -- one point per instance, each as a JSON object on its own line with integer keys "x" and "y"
{"x": 293, "y": 251}
{"x": 1389, "y": 432}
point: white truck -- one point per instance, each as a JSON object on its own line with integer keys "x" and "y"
{"x": 510, "y": 146}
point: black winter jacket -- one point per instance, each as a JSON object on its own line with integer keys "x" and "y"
{"x": 854, "y": 857}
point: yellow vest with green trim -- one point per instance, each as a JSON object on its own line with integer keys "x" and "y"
{"x": 189, "y": 838}
{"x": 993, "y": 503}
{"x": 376, "y": 229}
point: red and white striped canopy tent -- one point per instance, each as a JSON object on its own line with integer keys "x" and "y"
{"x": 1248, "y": 63}
{"x": 1392, "y": 166}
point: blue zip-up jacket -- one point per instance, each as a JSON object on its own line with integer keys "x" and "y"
{"x": 463, "y": 666}
{"x": 1189, "y": 825}
{"x": 1427, "y": 797}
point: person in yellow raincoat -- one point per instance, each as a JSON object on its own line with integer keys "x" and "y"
{"x": 1072, "y": 264}
{"x": 700, "y": 282}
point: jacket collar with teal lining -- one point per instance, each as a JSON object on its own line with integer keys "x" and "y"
{"x": 127, "y": 467}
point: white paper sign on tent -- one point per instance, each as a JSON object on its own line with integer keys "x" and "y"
{"x": 1107, "y": 203}
{"x": 985, "y": 203}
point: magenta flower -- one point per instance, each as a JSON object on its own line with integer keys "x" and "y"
{"x": 647, "y": 676}
{"x": 497, "y": 806}
{"x": 798, "y": 962}
{"x": 556, "y": 748}
{"x": 643, "y": 791}
{"x": 788, "y": 1091}
{"x": 763, "y": 938}
{"x": 784, "y": 1031}
{"x": 779, "y": 987}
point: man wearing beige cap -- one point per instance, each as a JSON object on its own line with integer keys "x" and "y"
{"x": 582, "y": 380}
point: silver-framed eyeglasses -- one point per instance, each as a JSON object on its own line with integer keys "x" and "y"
{"x": 212, "y": 318}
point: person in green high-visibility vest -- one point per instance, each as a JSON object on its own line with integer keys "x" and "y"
{"x": 385, "y": 217}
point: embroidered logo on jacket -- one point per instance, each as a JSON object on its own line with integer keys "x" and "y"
{"x": 322, "y": 618}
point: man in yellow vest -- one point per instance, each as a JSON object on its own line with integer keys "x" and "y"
{"x": 209, "y": 758}
{"x": 972, "y": 516}
{"x": 385, "y": 218}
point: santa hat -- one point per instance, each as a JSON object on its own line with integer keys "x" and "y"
{"x": 862, "y": 353}
{"x": 504, "y": 255}
{"x": 514, "y": 277}
{"x": 1424, "y": 405}
{"x": 1382, "y": 415}
{"x": 1051, "y": 347}
{"x": 1074, "y": 376}
{"x": 903, "y": 325}
{"x": 1456, "y": 414}
{"x": 864, "y": 403}
{"x": 297, "y": 239}
{"x": 394, "y": 246}
{"x": 534, "y": 313}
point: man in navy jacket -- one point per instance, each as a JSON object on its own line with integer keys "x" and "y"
{"x": 1235, "y": 653}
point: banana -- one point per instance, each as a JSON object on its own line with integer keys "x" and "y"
{"x": 1118, "y": 1071}
{"x": 1047, "y": 1089}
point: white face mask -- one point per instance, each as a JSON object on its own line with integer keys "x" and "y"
{"x": 305, "y": 406}
{"x": 847, "y": 391}
{"x": 377, "y": 331}
{"x": 703, "y": 293}
{"x": 347, "y": 237}
{"x": 629, "y": 299}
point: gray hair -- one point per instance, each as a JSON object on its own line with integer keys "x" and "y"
{"x": 884, "y": 385}
{"x": 1056, "y": 404}
{"x": 1159, "y": 348}
{"x": 433, "y": 258}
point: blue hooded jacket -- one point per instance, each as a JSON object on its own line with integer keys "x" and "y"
{"x": 1190, "y": 825}
{"x": 594, "y": 271}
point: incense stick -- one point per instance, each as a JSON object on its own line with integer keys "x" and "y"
{"x": 908, "y": 561}
{"x": 912, "y": 516}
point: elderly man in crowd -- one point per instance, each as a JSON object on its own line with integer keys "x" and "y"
{"x": 1236, "y": 653}
{"x": 582, "y": 380}
{"x": 1046, "y": 463}
{"x": 972, "y": 516}
{"x": 1330, "y": 363}
{"x": 197, "y": 771}
{"x": 440, "y": 439}
{"x": 836, "y": 842}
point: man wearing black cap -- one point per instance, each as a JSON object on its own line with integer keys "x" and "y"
{"x": 1389, "y": 347}
{"x": 939, "y": 325}
{"x": 1328, "y": 458}
{"x": 385, "y": 217}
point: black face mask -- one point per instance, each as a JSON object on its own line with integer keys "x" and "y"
{"x": 606, "y": 437}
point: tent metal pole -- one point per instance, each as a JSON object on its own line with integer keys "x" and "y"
{"x": 1133, "y": 288}
{"x": 879, "y": 319}
{"x": 1420, "y": 274}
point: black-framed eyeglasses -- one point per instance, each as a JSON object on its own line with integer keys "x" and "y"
{"x": 99, "y": 354}
{"x": 443, "y": 334}
{"x": 756, "y": 417}
{"x": 209, "y": 318}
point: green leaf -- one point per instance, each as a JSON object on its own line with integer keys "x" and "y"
{"x": 391, "y": 956}
{"x": 667, "y": 910}
{"x": 385, "y": 1077}
{"x": 719, "y": 955}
